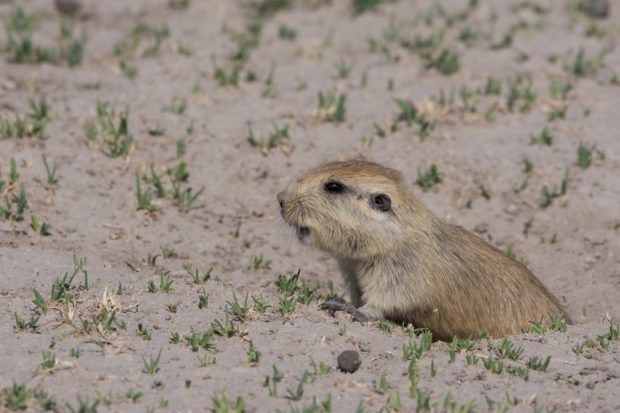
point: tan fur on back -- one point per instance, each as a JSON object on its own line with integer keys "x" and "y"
{"x": 406, "y": 264}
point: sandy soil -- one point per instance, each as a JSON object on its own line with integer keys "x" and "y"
{"x": 184, "y": 111}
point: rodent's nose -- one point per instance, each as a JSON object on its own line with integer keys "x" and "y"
{"x": 281, "y": 196}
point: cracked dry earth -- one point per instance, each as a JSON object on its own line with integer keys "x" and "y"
{"x": 515, "y": 104}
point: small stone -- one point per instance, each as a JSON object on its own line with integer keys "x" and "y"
{"x": 68, "y": 7}
{"x": 363, "y": 346}
{"x": 599, "y": 9}
{"x": 9, "y": 85}
{"x": 482, "y": 228}
{"x": 349, "y": 361}
{"x": 512, "y": 209}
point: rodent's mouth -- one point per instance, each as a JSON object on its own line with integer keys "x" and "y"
{"x": 302, "y": 233}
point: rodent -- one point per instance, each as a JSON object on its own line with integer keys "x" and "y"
{"x": 402, "y": 263}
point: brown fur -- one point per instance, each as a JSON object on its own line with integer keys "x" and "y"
{"x": 406, "y": 264}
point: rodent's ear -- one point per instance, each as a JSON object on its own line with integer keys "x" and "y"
{"x": 380, "y": 202}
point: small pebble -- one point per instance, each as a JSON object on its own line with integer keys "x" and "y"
{"x": 68, "y": 7}
{"x": 349, "y": 361}
{"x": 363, "y": 346}
{"x": 482, "y": 228}
{"x": 599, "y": 9}
{"x": 511, "y": 209}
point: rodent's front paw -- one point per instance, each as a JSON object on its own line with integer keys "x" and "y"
{"x": 331, "y": 306}
{"x": 366, "y": 313}
{"x": 361, "y": 317}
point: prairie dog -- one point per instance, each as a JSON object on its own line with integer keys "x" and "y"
{"x": 400, "y": 262}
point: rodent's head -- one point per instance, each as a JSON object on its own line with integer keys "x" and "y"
{"x": 352, "y": 209}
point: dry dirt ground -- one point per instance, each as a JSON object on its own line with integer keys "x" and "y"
{"x": 515, "y": 103}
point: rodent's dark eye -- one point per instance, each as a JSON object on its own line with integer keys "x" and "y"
{"x": 334, "y": 187}
{"x": 380, "y": 202}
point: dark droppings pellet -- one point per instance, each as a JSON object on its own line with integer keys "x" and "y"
{"x": 349, "y": 361}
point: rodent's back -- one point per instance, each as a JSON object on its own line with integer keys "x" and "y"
{"x": 485, "y": 289}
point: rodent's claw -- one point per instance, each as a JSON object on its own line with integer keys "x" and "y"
{"x": 339, "y": 305}
{"x": 361, "y": 317}
{"x": 331, "y": 306}
{"x": 367, "y": 313}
